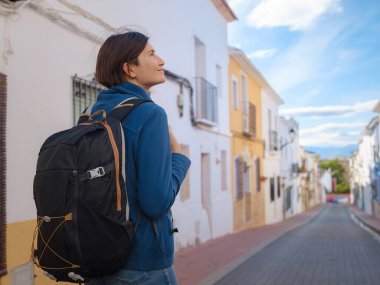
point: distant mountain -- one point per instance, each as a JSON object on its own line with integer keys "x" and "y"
{"x": 333, "y": 152}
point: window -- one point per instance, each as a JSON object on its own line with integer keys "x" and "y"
{"x": 3, "y": 197}
{"x": 252, "y": 120}
{"x": 224, "y": 170}
{"x": 271, "y": 181}
{"x": 200, "y": 58}
{"x": 185, "y": 186}
{"x": 235, "y": 98}
{"x": 278, "y": 186}
{"x": 239, "y": 179}
{"x": 257, "y": 174}
{"x": 207, "y": 101}
{"x": 84, "y": 94}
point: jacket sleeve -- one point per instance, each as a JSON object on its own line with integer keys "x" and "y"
{"x": 160, "y": 172}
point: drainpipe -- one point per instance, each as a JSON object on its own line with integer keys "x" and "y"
{"x": 183, "y": 82}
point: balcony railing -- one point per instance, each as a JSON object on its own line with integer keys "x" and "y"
{"x": 273, "y": 141}
{"x": 207, "y": 102}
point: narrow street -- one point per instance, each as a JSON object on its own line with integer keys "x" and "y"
{"x": 331, "y": 250}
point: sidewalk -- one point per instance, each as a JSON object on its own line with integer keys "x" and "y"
{"x": 208, "y": 262}
{"x": 368, "y": 220}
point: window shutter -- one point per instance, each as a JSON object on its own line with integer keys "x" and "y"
{"x": 239, "y": 166}
{"x": 3, "y": 222}
{"x": 252, "y": 120}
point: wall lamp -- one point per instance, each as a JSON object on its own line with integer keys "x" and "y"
{"x": 292, "y": 135}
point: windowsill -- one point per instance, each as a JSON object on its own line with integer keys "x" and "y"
{"x": 207, "y": 122}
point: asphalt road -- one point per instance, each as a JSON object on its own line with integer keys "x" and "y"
{"x": 331, "y": 250}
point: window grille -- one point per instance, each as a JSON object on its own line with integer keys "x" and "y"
{"x": 207, "y": 102}
{"x": 273, "y": 140}
{"x": 84, "y": 93}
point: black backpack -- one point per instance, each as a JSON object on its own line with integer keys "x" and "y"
{"x": 79, "y": 190}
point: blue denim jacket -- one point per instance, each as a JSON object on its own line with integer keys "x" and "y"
{"x": 153, "y": 176}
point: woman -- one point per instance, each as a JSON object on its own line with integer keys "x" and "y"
{"x": 128, "y": 65}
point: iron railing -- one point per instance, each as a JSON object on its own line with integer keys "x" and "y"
{"x": 207, "y": 101}
{"x": 85, "y": 93}
{"x": 273, "y": 140}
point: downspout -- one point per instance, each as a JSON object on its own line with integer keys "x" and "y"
{"x": 184, "y": 82}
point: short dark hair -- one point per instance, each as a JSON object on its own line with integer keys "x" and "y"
{"x": 115, "y": 51}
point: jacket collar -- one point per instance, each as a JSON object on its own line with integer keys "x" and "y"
{"x": 128, "y": 88}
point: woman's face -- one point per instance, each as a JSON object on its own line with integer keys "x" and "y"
{"x": 150, "y": 70}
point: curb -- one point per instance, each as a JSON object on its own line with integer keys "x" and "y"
{"x": 366, "y": 224}
{"x": 216, "y": 276}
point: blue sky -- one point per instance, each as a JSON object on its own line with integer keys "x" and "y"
{"x": 322, "y": 57}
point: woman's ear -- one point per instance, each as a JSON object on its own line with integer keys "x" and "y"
{"x": 128, "y": 70}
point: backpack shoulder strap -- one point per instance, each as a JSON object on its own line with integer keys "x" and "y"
{"x": 123, "y": 109}
{"x": 85, "y": 114}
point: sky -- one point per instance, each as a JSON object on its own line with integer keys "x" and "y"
{"x": 322, "y": 57}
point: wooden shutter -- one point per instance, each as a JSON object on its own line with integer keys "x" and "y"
{"x": 3, "y": 222}
{"x": 252, "y": 120}
{"x": 239, "y": 169}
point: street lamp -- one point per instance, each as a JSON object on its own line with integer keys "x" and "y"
{"x": 292, "y": 135}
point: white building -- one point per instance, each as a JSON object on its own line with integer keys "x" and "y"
{"x": 272, "y": 156}
{"x": 310, "y": 180}
{"x": 290, "y": 161}
{"x": 355, "y": 178}
{"x": 365, "y": 168}
{"x": 49, "y": 51}
{"x": 376, "y": 169}
{"x": 367, "y": 164}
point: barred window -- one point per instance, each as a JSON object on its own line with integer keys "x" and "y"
{"x": 185, "y": 187}
{"x": 84, "y": 94}
{"x": 3, "y": 222}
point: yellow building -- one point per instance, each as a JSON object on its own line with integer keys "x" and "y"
{"x": 247, "y": 146}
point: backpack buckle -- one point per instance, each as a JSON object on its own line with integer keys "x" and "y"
{"x": 96, "y": 172}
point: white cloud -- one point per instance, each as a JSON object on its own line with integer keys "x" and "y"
{"x": 331, "y": 111}
{"x": 295, "y": 14}
{"x": 328, "y": 140}
{"x": 332, "y": 134}
{"x": 264, "y": 53}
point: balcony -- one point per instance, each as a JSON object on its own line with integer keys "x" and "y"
{"x": 273, "y": 141}
{"x": 207, "y": 102}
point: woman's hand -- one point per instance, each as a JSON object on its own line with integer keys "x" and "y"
{"x": 173, "y": 141}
